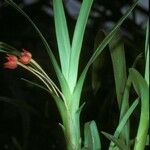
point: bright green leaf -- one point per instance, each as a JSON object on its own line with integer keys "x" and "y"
{"x": 62, "y": 36}
{"x": 77, "y": 42}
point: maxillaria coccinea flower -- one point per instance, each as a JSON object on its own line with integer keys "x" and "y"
{"x": 25, "y": 57}
{"x": 11, "y": 62}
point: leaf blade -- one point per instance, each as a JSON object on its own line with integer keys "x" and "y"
{"x": 77, "y": 41}
{"x": 119, "y": 65}
{"x": 142, "y": 89}
{"x": 62, "y": 36}
{"x": 79, "y": 85}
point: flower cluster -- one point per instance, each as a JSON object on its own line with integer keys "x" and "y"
{"x": 12, "y": 60}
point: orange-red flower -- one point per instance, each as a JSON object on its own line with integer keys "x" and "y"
{"x": 25, "y": 57}
{"x": 11, "y": 62}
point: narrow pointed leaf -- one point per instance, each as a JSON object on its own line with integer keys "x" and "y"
{"x": 123, "y": 122}
{"x": 147, "y": 39}
{"x": 119, "y": 65}
{"x": 124, "y": 108}
{"x": 147, "y": 55}
{"x": 77, "y": 41}
{"x": 103, "y": 44}
{"x": 147, "y": 68}
{"x": 142, "y": 89}
{"x": 62, "y": 36}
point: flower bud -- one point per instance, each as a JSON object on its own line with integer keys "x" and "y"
{"x": 11, "y": 62}
{"x": 25, "y": 57}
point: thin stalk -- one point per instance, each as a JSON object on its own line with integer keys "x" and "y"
{"x": 35, "y": 64}
{"x": 34, "y": 70}
{"x": 25, "y": 67}
{"x": 49, "y": 81}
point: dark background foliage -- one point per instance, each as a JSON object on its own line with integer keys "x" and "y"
{"x": 28, "y": 116}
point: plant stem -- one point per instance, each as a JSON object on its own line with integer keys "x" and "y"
{"x": 72, "y": 131}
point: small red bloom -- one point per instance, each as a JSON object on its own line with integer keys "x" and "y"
{"x": 25, "y": 57}
{"x": 11, "y": 62}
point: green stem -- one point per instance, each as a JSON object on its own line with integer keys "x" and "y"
{"x": 72, "y": 131}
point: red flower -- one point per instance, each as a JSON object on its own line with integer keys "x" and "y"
{"x": 11, "y": 62}
{"x": 25, "y": 57}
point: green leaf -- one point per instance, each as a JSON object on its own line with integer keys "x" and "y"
{"x": 147, "y": 68}
{"x": 116, "y": 141}
{"x": 103, "y": 44}
{"x": 147, "y": 39}
{"x": 77, "y": 42}
{"x": 62, "y": 36}
{"x": 125, "y": 118}
{"x": 91, "y": 136}
{"x": 147, "y": 55}
{"x": 142, "y": 89}
{"x": 119, "y": 65}
{"x": 124, "y": 108}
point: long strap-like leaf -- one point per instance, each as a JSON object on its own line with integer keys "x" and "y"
{"x": 147, "y": 55}
{"x": 119, "y": 66}
{"x": 62, "y": 36}
{"x": 77, "y": 41}
{"x": 141, "y": 87}
{"x": 123, "y": 121}
{"x": 78, "y": 88}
